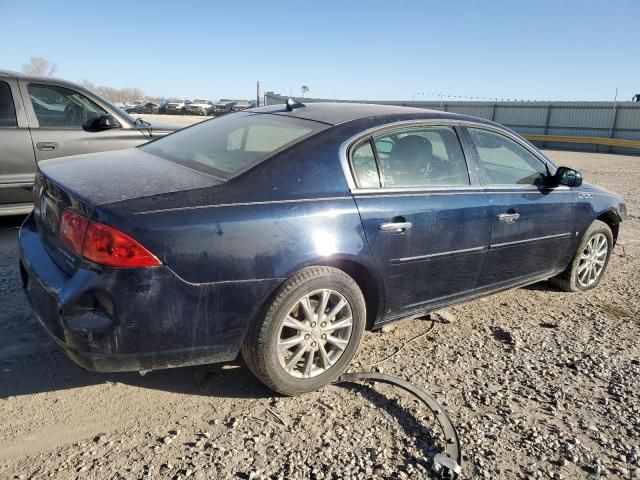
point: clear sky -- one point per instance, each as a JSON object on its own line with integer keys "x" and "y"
{"x": 393, "y": 49}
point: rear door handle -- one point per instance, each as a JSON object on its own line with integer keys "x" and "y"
{"x": 509, "y": 217}
{"x": 46, "y": 146}
{"x": 396, "y": 227}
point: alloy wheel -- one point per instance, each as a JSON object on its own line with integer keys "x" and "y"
{"x": 592, "y": 260}
{"x": 315, "y": 333}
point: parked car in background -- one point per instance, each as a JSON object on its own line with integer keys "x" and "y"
{"x": 392, "y": 212}
{"x": 142, "y": 106}
{"x": 42, "y": 118}
{"x": 200, "y": 107}
{"x": 177, "y": 107}
{"x": 223, "y": 106}
{"x": 151, "y": 107}
{"x": 241, "y": 105}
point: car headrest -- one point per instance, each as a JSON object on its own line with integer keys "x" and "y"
{"x": 411, "y": 148}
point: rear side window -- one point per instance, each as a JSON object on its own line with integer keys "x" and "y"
{"x": 58, "y": 107}
{"x": 504, "y": 161}
{"x": 7, "y": 108}
{"x": 413, "y": 157}
{"x": 233, "y": 143}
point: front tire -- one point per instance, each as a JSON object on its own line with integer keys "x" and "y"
{"x": 590, "y": 261}
{"x": 310, "y": 332}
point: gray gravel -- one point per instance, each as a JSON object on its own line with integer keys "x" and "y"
{"x": 540, "y": 384}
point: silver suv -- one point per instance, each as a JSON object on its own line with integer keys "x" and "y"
{"x": 42, "y": 118}
{"x": 178, "y": 107}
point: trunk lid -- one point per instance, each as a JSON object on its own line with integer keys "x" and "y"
{"x": 82, "y": 183}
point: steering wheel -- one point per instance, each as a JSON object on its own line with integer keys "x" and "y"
{"x": 71, "y": 113}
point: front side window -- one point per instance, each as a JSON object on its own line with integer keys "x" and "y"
{"x": 421, "y": 157}
{"x": 58, "y": 107}
{"x": 504, "y": 161}
{"x": 232, "y": 143}
{"x": 7, "y": 108}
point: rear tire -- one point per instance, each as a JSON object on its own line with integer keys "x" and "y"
{"x": 309, "y": 332}
{"x": 590, "y": 261}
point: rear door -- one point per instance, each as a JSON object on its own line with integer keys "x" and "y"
{"x": 426, "y": 218}
{"x": 532, "y": 222}
{"x": 17, "y": 160}
{"x": 57, "y": 115}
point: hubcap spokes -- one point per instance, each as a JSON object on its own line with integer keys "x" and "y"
{"x": 592, "y": 260}
{"x": 314, "y": 333}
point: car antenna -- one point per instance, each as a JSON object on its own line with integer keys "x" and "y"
{"x": 292, "y": 104}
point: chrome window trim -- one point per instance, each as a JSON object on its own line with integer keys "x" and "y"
{"x": 345, "y": 147}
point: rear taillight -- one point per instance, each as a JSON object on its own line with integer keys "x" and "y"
{"x": 73, "y": 227}
{"x": 103, "y": 244}
{"x": 109, "y": 246}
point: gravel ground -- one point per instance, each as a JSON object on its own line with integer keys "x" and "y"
{"x": 540, "y": 384}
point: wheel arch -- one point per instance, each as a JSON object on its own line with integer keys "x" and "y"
{"x": 363, "y": 274}
{"x": 372, "y": 289}
{"x": 611, "y": 218}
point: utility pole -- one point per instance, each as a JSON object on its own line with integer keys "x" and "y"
{"x": 258, "y": 94}
{"x": 613, "y": 116}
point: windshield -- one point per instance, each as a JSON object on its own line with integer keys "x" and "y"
{"x": 199, "y": 101}
{"x": 230, "y": 144}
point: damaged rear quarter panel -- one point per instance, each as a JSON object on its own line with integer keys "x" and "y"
{"x": 228, "y": 247}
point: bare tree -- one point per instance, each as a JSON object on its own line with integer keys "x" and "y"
{"x": 39, "y": 66}
{"x": 115, "y": 94}
{"x": 304, "y": 89}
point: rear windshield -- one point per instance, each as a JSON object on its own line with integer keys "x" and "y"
{"x": 228, "y": 145}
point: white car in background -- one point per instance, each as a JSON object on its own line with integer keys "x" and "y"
{"x": 201, "y": 107}
{"x": 178, "y": 107}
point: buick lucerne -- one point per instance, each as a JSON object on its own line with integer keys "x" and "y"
{"x": 283, "y": 232}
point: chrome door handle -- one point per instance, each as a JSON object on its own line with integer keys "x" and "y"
{"x": 397, "y": 227}
{"x": 47, "y": 146}
{"x": 509, "y": 217}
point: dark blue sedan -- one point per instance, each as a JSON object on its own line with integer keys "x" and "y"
{"x": 284, "y": 232}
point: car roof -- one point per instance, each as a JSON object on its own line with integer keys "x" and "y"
{"x": 36, "y": 78}
{"x": 336, "y": 113}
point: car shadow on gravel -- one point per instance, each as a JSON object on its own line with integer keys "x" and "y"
{"x": 543, "y": 286}
{"x": 421, "y": 436}
{"x": 49, "y": 370}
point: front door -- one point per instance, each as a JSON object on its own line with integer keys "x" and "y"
{"x": 426, "y": 221}
{"x": 17, "y": 160}
{"x": 58, "y": 115}
{"x": 533, "y": 223}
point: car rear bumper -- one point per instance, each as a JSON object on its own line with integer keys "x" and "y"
{"x": 109, "y": 319}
